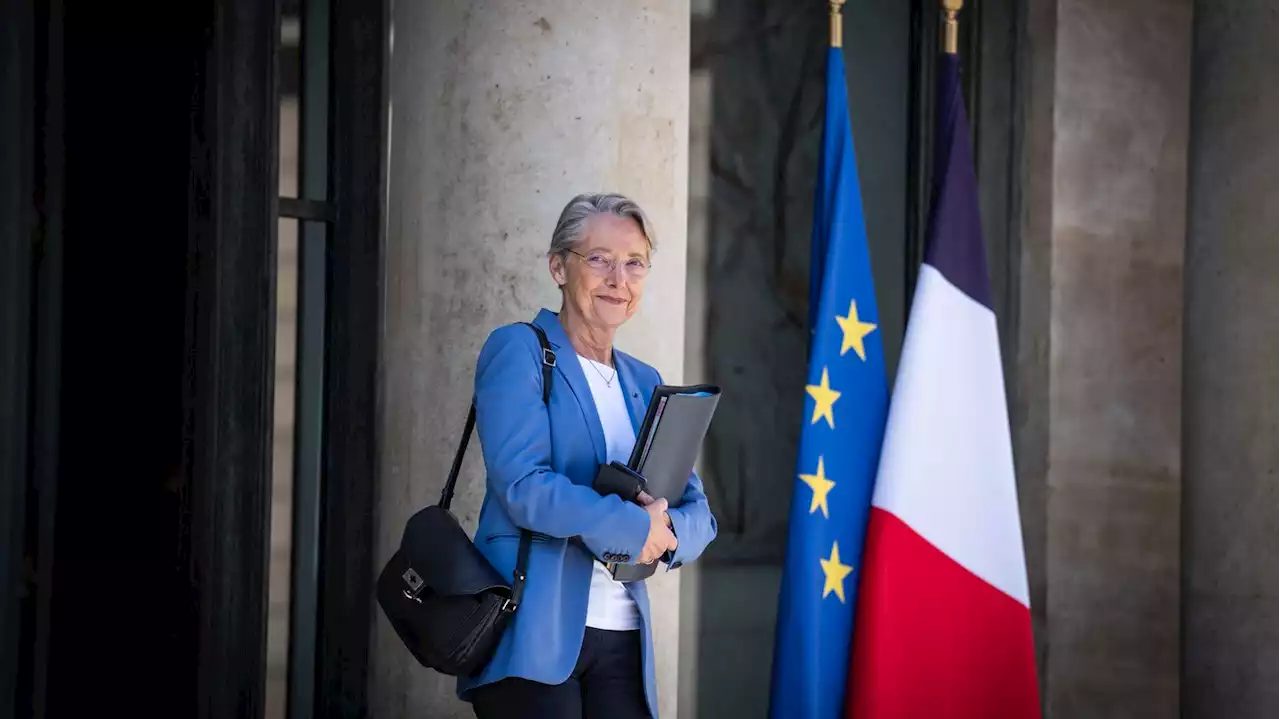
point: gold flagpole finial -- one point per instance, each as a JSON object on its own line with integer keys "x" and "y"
{"x": 952, "y": 38}
{"x": 837, "y": 23}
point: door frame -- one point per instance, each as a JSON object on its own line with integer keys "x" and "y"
{"x": 17, "y": 263}
{"x": 229, "y": 377}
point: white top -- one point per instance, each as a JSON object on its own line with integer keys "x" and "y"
{"x": 610, "y": 606}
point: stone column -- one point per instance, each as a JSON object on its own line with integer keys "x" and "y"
{"x": 1114, "y": 249}
{"x": 1229, "y": 396}
{"x": 500, "y": 113}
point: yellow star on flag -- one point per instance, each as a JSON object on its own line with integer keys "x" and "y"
{"x": 854, "y": 331}
{"x": 824, "y": 399}
{"x": 835, "y": 573}
{"x": 820, "y": 486}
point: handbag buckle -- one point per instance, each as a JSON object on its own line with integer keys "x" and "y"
{"x": 414, "y": 580}
{"x": 548, "y": 358}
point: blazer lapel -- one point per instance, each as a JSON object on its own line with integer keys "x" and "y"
{"x": 570, "y": 368}
{"x": 637, "y": 403}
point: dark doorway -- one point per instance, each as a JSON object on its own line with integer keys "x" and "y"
{"x": 138, "y": 266}
{"x": 141, "y": 428}
{"x": 118, "y": 515}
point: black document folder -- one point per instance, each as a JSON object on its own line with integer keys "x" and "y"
{"x": 666, "y": 448}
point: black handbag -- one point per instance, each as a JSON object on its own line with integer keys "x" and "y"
{"x": 443, "y": 598}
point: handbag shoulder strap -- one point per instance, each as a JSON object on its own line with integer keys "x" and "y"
{"x": 446, "y": 495}
{"x": 526, "y": 537}
{"x": 548, "y": 361}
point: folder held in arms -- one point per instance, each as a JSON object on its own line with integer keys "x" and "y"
{"x": 666, "y": 448}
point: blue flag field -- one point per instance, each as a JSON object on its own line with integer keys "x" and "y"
{"x": 846, "y": 403}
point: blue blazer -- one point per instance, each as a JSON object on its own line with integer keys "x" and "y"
{"x": 540, "y": 463}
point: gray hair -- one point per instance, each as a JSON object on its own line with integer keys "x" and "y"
{"x": 572, "y": 224}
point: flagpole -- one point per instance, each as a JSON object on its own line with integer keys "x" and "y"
{"x": 837, "y": 23}
{"x": 952, "y": 10}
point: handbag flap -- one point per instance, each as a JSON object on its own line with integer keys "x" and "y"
{"x": 444, "y": 557}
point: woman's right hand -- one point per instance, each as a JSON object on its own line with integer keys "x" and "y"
{"x": 660, "y": 539}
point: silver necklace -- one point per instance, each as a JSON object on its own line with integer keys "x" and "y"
{"x": 608, "y": 381}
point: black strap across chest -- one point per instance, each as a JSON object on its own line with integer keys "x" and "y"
{"x": 446, "y": 496}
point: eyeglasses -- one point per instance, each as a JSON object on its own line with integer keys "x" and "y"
{"x": 604, "y": 265}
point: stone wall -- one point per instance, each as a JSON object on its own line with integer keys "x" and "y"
{"x": 1145, "y": 418}
{"x": 1115, "y": 246}
{"x": 1229, "y": 392}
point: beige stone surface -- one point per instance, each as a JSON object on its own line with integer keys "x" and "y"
{"x": 500, "y": 112}
{"x": 1121, "y": 106}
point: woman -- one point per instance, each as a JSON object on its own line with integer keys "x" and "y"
{"x": 579, "y": 644}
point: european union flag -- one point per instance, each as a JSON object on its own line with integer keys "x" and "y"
{"x": 846, "y": 403}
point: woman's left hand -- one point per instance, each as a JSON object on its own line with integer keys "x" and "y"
{"x": 645, "y": 499}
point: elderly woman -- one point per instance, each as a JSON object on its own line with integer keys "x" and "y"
{"x": 579, "y": 645}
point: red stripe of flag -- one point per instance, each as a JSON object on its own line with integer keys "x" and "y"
{"x": 933, "y": 639}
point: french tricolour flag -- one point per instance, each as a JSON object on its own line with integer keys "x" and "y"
{"x": 943, "y": 625}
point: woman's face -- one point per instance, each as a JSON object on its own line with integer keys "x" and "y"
{"x": 603, "y": 277}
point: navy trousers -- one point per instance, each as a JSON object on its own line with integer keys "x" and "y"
{"x": 607, "y": 683}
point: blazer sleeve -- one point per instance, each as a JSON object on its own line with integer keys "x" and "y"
{"x": 692, "y": 522}
{"x": 515, "y": 438}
